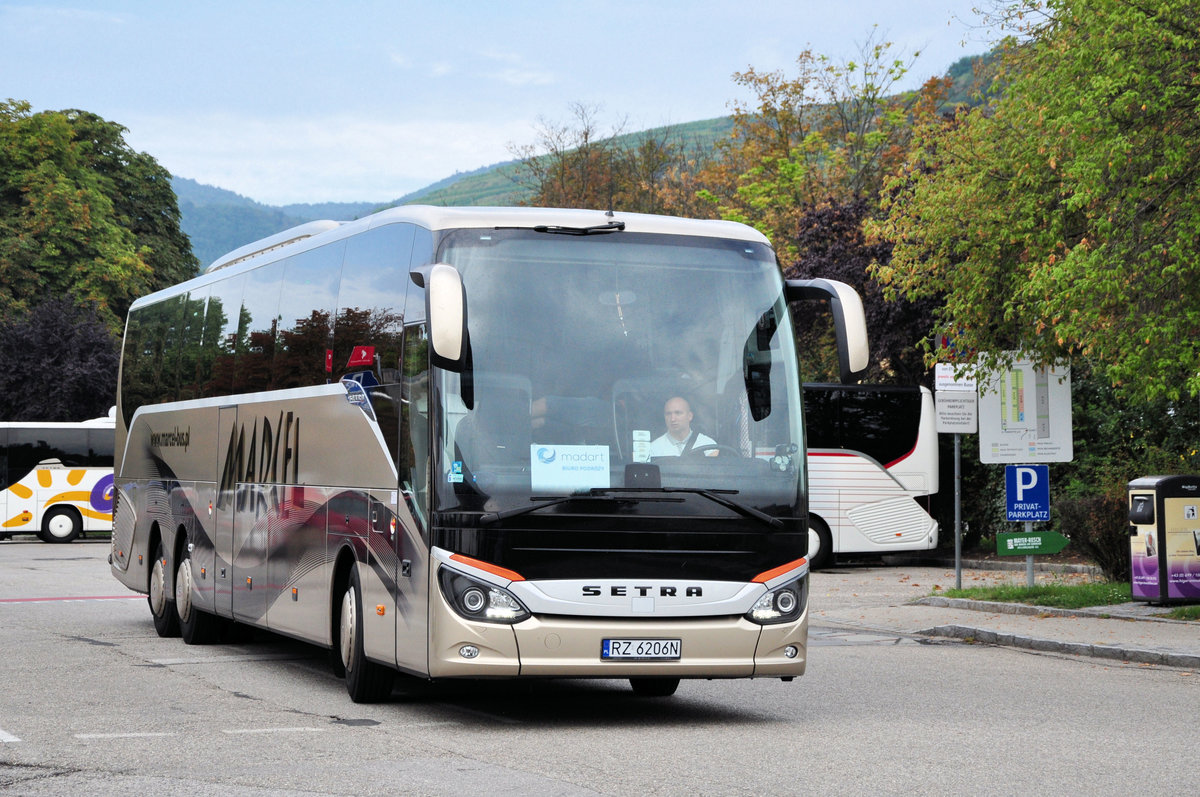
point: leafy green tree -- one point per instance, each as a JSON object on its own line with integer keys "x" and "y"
{"x": 1064, "y": 218}
{"x": 82, "y": 215}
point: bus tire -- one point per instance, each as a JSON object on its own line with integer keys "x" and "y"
{"x": 820, "y": 543}
{"x": 366, "y": 681}
{"x": 61, "y": 524}
{"x": 195, "y": 626}
{"x": 654, "y": 687}
{"x": 162, "y": 609}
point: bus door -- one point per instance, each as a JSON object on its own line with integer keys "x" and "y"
{"x": 411, "y": 508}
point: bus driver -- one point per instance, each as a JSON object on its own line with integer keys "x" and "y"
{"x": 680, "y": 438}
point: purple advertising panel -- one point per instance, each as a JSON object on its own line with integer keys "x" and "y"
{"x": 1182, "y": 543}
{"x": 1143, "y": 562}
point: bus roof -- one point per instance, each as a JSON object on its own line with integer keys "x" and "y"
{"x": 317, "y": 233}
{"x": 442, "y": 218}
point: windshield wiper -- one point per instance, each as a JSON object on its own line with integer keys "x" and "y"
{"x": 594, "y": 494}
{"x": 606, "y": 494}
{"x": 612, "y": 226}
{"x": 716, "y": 496}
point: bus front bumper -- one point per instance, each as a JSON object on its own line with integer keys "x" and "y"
{"x": 570, "y": 647}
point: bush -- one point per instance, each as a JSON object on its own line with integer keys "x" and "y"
{"x": 1099, "y": 525}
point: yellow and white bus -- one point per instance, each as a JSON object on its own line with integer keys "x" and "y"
{"x": 422, "y": 440}
{"x": 56, "y": 479}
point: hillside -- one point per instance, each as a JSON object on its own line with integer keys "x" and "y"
{"x": 218, "y": 221}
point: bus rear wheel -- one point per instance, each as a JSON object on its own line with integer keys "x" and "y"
{"x": 195, "y": 626}
{"x": 61, "y": 524}
{"x": 166, "y": 620}
{"x": 366, "y": 681}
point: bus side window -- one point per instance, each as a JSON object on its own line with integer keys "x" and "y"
{"x": 370, "y": 306}
{"x": 306, "y": 310}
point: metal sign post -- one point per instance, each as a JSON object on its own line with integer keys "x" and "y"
{"x": 957, "y": 412}
{"x": 1027, "y": 493}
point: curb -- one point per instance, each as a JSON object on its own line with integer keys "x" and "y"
{"x": 1137, "y": 611}
{"x": 982, "y": 564}
{"x": 1111, "y": 652}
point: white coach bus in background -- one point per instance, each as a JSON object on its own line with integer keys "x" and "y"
{"x": 56, "y": 479}
{"x": 872, "y": 466}
{"x": 423, "y": 440}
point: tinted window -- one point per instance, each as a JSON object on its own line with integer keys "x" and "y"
{"x": 881, "y": 421}
{"x": 367, "y": 332}
{"x": 221, "y": 322}
{"x": 306, "y": 309}
{"x": 257, "y": 328}
{"x": 195, "y": 358}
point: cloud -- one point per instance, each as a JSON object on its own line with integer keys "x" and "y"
{"x": 332, "y": 159}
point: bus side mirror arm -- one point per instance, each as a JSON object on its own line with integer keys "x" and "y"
{"x": 850, "y": 322}
{"x": 446, "y": 314}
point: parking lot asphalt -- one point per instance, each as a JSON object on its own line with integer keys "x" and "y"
{"x": 902, "y": 599}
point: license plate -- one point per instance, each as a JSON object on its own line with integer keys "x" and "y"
{"x": 640, "y": 649}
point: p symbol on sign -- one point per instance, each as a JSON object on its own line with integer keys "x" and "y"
{"x": 1027, "y": 479}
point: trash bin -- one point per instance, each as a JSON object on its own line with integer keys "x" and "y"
{"x": 1164, "y": 539}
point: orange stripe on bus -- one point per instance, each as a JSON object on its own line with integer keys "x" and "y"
{"x": 763, "y": 578}
{"x": 75, "y": 477}
{"x": 70, "y": 495}
{"x": 17, "y": 520}
{"x": 21, "y": 491}
{"x": 495, "y": 570}
{"x": 44, "y": 477}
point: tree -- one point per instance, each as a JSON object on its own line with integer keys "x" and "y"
{"x": 1064, "y": 218}
{"x": 805, "y": 166}
{"x": 60, "y": 364}
{"x": 82, "y": 215}
{"x": 828, "y": 134}
{"x": 574, "y": 165}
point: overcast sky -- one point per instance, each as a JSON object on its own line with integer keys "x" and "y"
{"x": 366, "y": 101}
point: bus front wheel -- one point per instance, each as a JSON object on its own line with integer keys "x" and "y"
{"x": 366, "y": 681}
{"x": 61, "y": 524}
{"x": 820, "y": 543}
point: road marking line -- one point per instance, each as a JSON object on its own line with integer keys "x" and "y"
{"x": 71, "y": 598}
{"x": 143, "y": 735}
{"x": 272, "y": 730}
{"x": 7, "y": 737}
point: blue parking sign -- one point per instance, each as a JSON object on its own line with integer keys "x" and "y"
{"x": 1027, "y": 492}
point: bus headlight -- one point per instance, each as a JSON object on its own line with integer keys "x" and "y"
{"x": 783, "y": 604}
{"x": 476, "y": 600}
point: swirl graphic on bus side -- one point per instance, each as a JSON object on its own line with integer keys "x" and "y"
{"x": 102, "y": 494}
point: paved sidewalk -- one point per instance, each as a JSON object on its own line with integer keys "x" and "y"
{"x": 896, "y": 600}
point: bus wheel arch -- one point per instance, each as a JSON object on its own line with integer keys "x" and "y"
{"x": 61, "y": 524}
{"x": 820, "y": 543}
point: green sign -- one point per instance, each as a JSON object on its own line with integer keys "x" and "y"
{"x": 1029, "y": 543}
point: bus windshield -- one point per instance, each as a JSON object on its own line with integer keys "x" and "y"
{"x": 604, "y": 362}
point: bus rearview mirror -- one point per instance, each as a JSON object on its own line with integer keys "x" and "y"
{"x": 850, "y": 322}
{"x": 446, "y": 313}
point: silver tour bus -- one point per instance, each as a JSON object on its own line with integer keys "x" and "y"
{"x": 433, "y": 442}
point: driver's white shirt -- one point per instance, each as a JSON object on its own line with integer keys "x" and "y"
{"x": 667, "y": 446}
